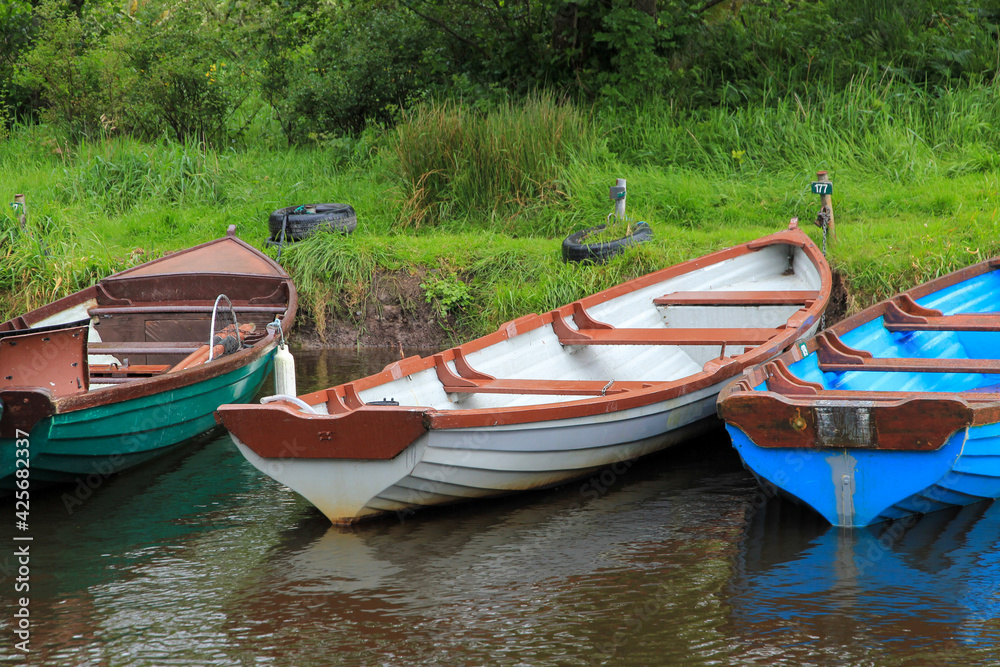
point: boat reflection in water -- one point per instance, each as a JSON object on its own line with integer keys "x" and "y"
{"x": 932, "y": 583}
{"x": 554, "y": 577}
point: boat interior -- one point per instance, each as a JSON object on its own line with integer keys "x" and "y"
{"x": 658, "y": 332}
{"x": 134, "y": 327}
{"x": 946, "y": 341}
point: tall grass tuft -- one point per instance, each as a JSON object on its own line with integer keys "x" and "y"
{"x": 335, "y": 273}
{"x": 455, "y": 161}
{"x": 36, "y": 269}
{"x": 121, "y": 174}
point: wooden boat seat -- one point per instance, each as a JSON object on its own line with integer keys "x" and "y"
{"x": 114, "y": 374}
{"x": 134, "y": 369}
{"x": 138, "y": 309}
{"x": 834, "y": 355}
{"x": 748, "y": 298}
{"x": 152, "y": 347}
{"x": 905, "y": 314}
{"x": 471, "y": 381}
{"x": 592, "y": 332}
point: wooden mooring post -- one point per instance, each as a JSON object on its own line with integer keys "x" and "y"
{"x": 823, "y": 187}
{"x": 21, "y": 211}
{"x": 617, "y": 195}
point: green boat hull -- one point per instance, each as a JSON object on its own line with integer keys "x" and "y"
{"x": 72, "y": 447}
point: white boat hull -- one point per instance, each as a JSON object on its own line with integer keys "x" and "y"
{"x": 449, "y": 466}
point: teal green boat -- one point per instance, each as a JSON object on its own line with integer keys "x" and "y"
{"x": 134, "y": 366}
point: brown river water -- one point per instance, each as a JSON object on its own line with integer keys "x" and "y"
{"x": 198, "y": 559}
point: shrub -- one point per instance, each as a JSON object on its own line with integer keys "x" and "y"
{"x": 186, "y": 77}
{"x": 16, "y": 29}
{"x": 447, "y": 294}
{"x": 165, "y": 68}
{"x": 454, "y": 161}
{"x": 64, "y": 70}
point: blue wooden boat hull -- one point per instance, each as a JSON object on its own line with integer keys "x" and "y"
{"x": 858, "y": 488}
{"x": 829, "y": 438}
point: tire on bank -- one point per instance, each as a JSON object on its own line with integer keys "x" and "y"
{"x": 574, "y": 249}
{"x": 303, "y": 221}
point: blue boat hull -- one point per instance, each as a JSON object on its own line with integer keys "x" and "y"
{"x": 853, "y": 488}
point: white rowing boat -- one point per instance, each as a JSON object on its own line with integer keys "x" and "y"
{"x": 546, "y": 398}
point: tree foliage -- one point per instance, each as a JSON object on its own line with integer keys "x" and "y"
{"x": 320, "y": 68}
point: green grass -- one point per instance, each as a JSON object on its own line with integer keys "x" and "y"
{"x": 460, "y": 167}
{"x": 900, "y": 132}
{"x": 917, "y": 194}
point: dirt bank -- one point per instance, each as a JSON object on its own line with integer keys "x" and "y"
{"x": 395, "y": 314}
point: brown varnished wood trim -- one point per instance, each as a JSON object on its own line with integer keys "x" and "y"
{"x": 898, "y": 423}
{"x": 666, "y": 336}
{"x": 748, "y": 298}
{"x": 279, "y": 431}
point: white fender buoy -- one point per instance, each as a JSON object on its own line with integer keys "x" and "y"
{"x": 284, "y": 371}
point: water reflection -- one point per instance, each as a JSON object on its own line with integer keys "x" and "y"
{"x": 198, "y": 559}
{"x": 561, "y": 576}
{"x": 927, "y": 587}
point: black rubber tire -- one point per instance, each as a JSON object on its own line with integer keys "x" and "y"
{"x": 332, "y": 217}
{"x": 574, "y": 250}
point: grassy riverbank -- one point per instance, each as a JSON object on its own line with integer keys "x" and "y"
{"x": 473, "y": 206}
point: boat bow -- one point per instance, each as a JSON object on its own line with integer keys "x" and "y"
{"x": 891, "y": 413}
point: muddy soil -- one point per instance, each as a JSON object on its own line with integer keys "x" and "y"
{"x": 396, "y": 315}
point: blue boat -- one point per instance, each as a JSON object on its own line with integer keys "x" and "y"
{"x": 891, "y": 413}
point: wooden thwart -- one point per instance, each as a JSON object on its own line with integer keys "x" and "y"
{"x": 904, "y": 314}
{"x": 593, "y": 332}
{"x": 605, "y": 334}
{"x": 102, "y": 379}
{"x": 835, "y": 356}
{"x": 470, "y": 381}
{"x": 154, "y": 347}
{"x": 161, "y": 308}
{"x": 135, "y": 371}
{"x": 667, "y": 336}
{"x": 748, "y": 298}
{"x": 548, "y": 387}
